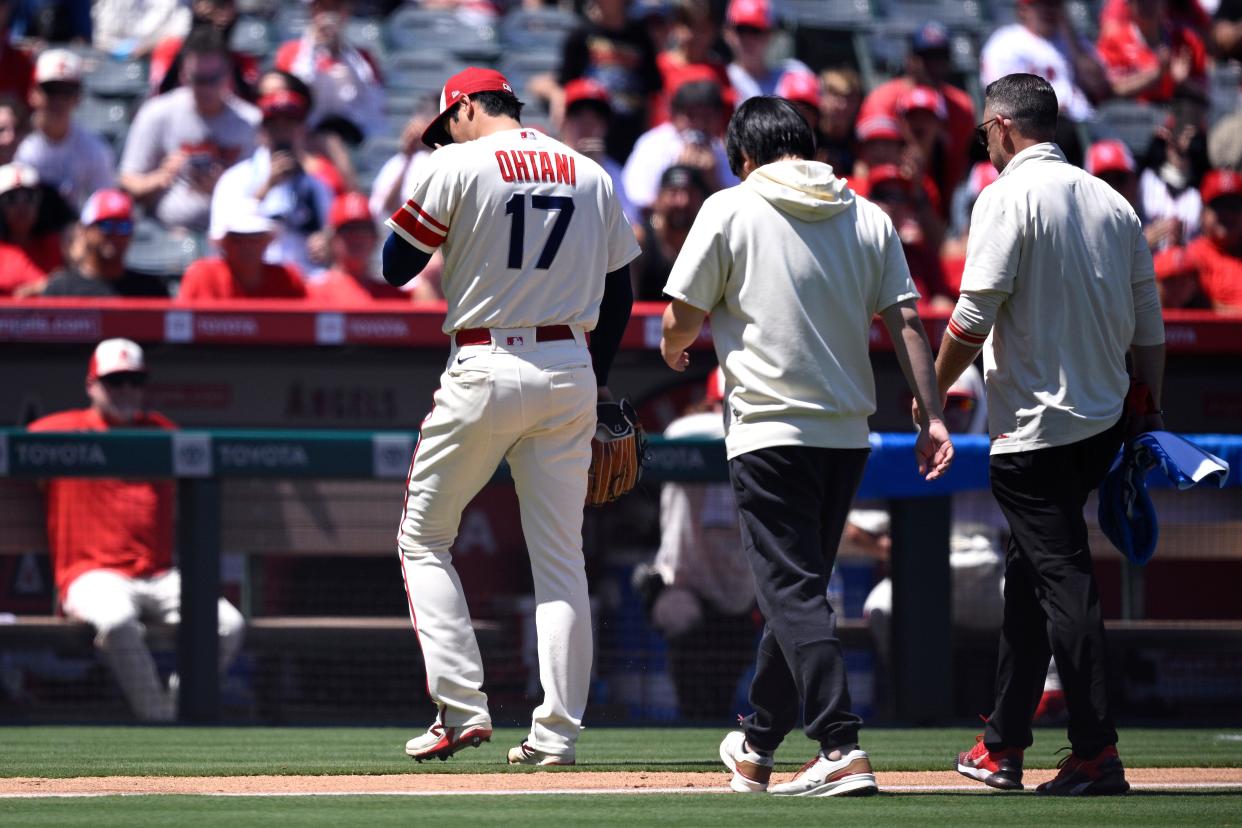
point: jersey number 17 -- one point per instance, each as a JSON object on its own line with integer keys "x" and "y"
{"x": 564, "y": 205}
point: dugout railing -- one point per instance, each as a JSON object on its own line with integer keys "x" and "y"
{"x": 205, "y": 461}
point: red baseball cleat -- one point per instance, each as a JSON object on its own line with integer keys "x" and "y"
{"x": 1001, "y": 769}
{"x": 1100, "y": 776}
{"x": 440, "y": 742}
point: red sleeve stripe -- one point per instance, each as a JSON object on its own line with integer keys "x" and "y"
{"x": 957, "y": 332}
{"x": 416, "y": 208}
{"x": 413, "y": 227}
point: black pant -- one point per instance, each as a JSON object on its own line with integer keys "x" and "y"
{"x": 1051, "y": 603}
{"x": 793, "y": 501}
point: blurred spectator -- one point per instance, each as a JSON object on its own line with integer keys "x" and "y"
{"x": 1111, "y": 161}
{"x": 131, "y": 28}
{"x": 953, "y": 248}
{"x": 880, "y": 141}
{"x": 690, "y": 55}
{"x": 584, "y": 127}
{"x": 344, "y": 81}
{"x": 748, "y": 33}
{"x": 682, "y": 192}
{"x": 905, "y": 204}
{"x": 74, "y": 160}
{"x": 883, "y": 142}
{"x": 614, "y": 50}
{"x": 352, "y": 279}
{"x": 928, "y": 65}
{"x": 1209, "y": 269}
{"x": 1227, "y": 30}
{"x": 181, "y": 142}
{"x": 923, "y": 113}
{"x": 398, "y": 175}
{"x": 691, "y": 137}
{"x": 241, "y": 272}
{"x": 111, "y": 540}
{"x": 52, "y": 21}
{"x": 1043, "y": 43}
{"x": 165, "y": 69}
{"x": 311, "y": 156}
{"x": 1151, "y": 58}
{"x": 802, "y": 90}
{"x": 840, "y": 101}
{"x": 1188, "y": 14}
{"x": 16, "y": 68}
{"x": 26, "y": 257}
{"x": 96, "y": 266}
{"x": 14, "y": 126}
{"x": 1224, "y": 141}
{"x": 1175, "y": 163}
{"x": 273, "y": 179}
{"x": 699, "y": 586}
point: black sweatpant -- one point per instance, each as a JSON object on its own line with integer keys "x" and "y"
{"x": 1052, "y": 606}
{"x": 793, "y": 501}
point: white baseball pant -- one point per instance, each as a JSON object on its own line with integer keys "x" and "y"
{"x": 532, "y": 403}
{"x": 115, "y": 605}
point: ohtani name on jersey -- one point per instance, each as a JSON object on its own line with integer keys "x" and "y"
{"x": 537, "y": 166}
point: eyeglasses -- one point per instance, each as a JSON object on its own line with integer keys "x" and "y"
{"x": 981, "y": 131}
{"x": 207, "y": 80}
{"x": 115, "y": 227}
{"x": 120, "y": 379}
{"x": 22, "y": 195}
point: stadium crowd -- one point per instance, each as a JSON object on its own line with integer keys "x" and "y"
{"x": 247, "y": 149}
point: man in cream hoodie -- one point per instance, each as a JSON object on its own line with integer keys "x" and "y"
{"x": 792, "y": 266}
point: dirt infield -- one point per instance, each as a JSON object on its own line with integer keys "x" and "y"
{"x": 566, "y": 782}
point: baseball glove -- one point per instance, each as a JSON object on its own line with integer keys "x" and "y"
{"x": 618, "y": 451}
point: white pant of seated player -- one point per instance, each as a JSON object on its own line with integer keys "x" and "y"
{"x": 116, "y": 605}
{"x": 534, "y": 405}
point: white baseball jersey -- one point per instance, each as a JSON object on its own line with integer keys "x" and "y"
{"x": 528, "y": 228}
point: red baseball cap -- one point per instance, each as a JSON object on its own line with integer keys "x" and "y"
{"x": 466, "y": 82}
{"x": 1109, "y": 155}
{"x": 799, "y": 86}
{"x": 878, "y": 128}
{"x": 981, "y": 175}
{"x": 1218, "y": 183}
{"x": 887, "y": 174}
{"x": 757, "y": 14}
{"x": 714, "y": 391}
{"x": 106, "y": 204}
{"x": 116, "y": 356}
{"x": 349, "y": 207}
{"x": 283, "y": 102}
{"x": 586, "y": 89}
{"x": 923, "y": 97}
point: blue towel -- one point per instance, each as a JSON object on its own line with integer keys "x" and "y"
{"x": 1126, "y": 514}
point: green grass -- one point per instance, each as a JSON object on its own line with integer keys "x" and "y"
{"x": 1138, "y": 809}
{"x": 226, "y": 751}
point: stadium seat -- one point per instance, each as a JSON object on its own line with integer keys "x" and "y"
{"x": 366, "y": 33}
{"x": 537, "y": 29}
{"x": 155, "y": 250}
{"x": 414, "y": 29}
{"x": 829, "y": 14}
{"x": 1223, "y": 81}
{"x": 520, "y": 67}
{"x": 116, "y": 79}
{"x": 107, "y": 117}
{"x": 416, "y": 72}
{"x": 966, "y": 14}
{"x": 1130, "y": 121}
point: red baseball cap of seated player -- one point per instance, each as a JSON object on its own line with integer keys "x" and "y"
{"x": 1109, "y": 156}
{"x": 1218, "y": 183}
{"x": 888, "y": 174}
{"x": 754, "y": 14}
{"x": 348, "y": 208}
{"x": 116, "y": 356}
{"x": 878, "y": 128}
{"x": 106, "y": 204}
{"x": 586, "y": 89}
{"x": 466, "y": 82}
{"x": 802, "y": 87}
{"x": 923, "y": 97}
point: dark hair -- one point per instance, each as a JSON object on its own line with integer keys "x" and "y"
{"x": 1028, "y": 101}
{"x": 764, "y": 129}
{"x": 294, "y": 84}
{"x": 21, "y": 112}
{"x": 496, "y": 104}
{"x": 683, "y": 175}
{"x": 697, "y": 93}
{"x": 205, "y": 40}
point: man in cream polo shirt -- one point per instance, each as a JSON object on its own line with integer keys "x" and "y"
{"x": 1057, "y": 291}
{"x": 793, "y": 266}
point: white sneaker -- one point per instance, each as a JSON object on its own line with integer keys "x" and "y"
{"x": 751, "y": 771}
{"x": 440, "y": 742}
{"x": 851, "y": 775}
{"x": 524, "y": 754}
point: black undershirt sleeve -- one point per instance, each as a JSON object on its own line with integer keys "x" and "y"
{"x": 402, "y": 261}
{"x": 614, "y": 315}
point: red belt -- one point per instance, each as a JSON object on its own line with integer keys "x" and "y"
{"x": 483, "y": 336}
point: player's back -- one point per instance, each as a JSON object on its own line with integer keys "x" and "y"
{"x": 529, "y": 232}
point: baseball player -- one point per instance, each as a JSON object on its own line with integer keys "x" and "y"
{"x": 536, "y": 254}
